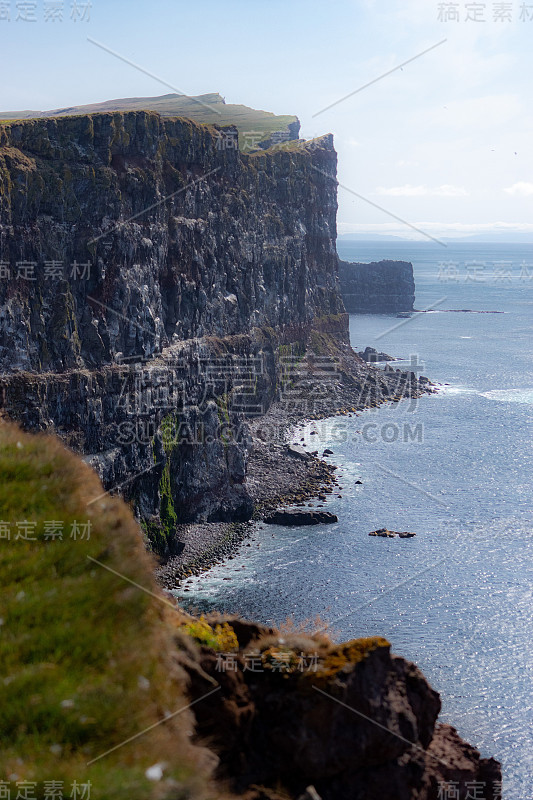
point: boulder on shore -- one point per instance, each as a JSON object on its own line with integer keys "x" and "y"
{"x": 298, "y": 452}
{"x": 301, "y": 518}
{"x": 371, "y": 355}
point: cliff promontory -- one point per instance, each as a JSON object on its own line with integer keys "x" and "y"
{"x": 122, "y": 234}
{"x": 381, "y": 287}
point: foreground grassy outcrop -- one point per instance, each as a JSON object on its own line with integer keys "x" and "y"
{"x": 86, "y": 658}
{"x": 109, "y": 690}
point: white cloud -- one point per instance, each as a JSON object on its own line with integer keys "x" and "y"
{"x": 521, "y": 189}
{"x": 446, "y": 190}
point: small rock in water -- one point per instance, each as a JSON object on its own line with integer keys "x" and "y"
{"x": 385, "y": 533}
{"x": 301, "y": 518}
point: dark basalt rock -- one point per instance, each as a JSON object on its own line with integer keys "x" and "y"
{"x": 371, "y": 355}
{"x": 385, "y": 533}
{"x": 361, "y": 725}
{"x": 131, "y": 358}
{"x": 293, "y": 518}
{"x": 381, "y": 287}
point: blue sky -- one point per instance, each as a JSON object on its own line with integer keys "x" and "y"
{"x": 444, "y": 143}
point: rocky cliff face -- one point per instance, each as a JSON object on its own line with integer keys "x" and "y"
{"x": 381, "y": 287}
{"x": 352, "y": 721}
{"x": 123, "y": 233}
{"x": 151, "y": 279}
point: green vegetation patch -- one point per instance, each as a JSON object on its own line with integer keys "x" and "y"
{"x": 85, "y": 655}
{"x": 220, "y": 637}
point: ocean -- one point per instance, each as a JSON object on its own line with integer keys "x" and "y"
{"x": 453, "y": 467}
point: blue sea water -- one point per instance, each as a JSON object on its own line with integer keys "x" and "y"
{"x": 455, "y": 468}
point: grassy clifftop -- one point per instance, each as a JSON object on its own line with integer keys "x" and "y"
{"x": 85, "y": 656}
{"x": 253, "y": 124}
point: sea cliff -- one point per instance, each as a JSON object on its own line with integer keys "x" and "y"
{"x": 152, "y": 279}
{"x": 159, "y": 288}
{"x": 380, "y": 287}
{"x": 164, "y": 299}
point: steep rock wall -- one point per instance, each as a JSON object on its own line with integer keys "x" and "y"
{"x": 173, "y": 237}
{"x": 144, "y": 268}
{"x": 380, "y": 287}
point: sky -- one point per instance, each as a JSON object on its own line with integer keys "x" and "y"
{"x": 442, "y": 144}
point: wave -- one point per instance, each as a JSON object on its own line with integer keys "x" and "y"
{"x": 447, "y": 389}
{"x": 510, "y": 395}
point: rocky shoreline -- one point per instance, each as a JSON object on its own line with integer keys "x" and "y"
{"x": 284, "y": 476}
{"x": 276, "y": 479}
{"x": 279, "y": 475}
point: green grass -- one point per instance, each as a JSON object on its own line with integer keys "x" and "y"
{"x": 85, "y": 656}
{"x": 211, "y": 110}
